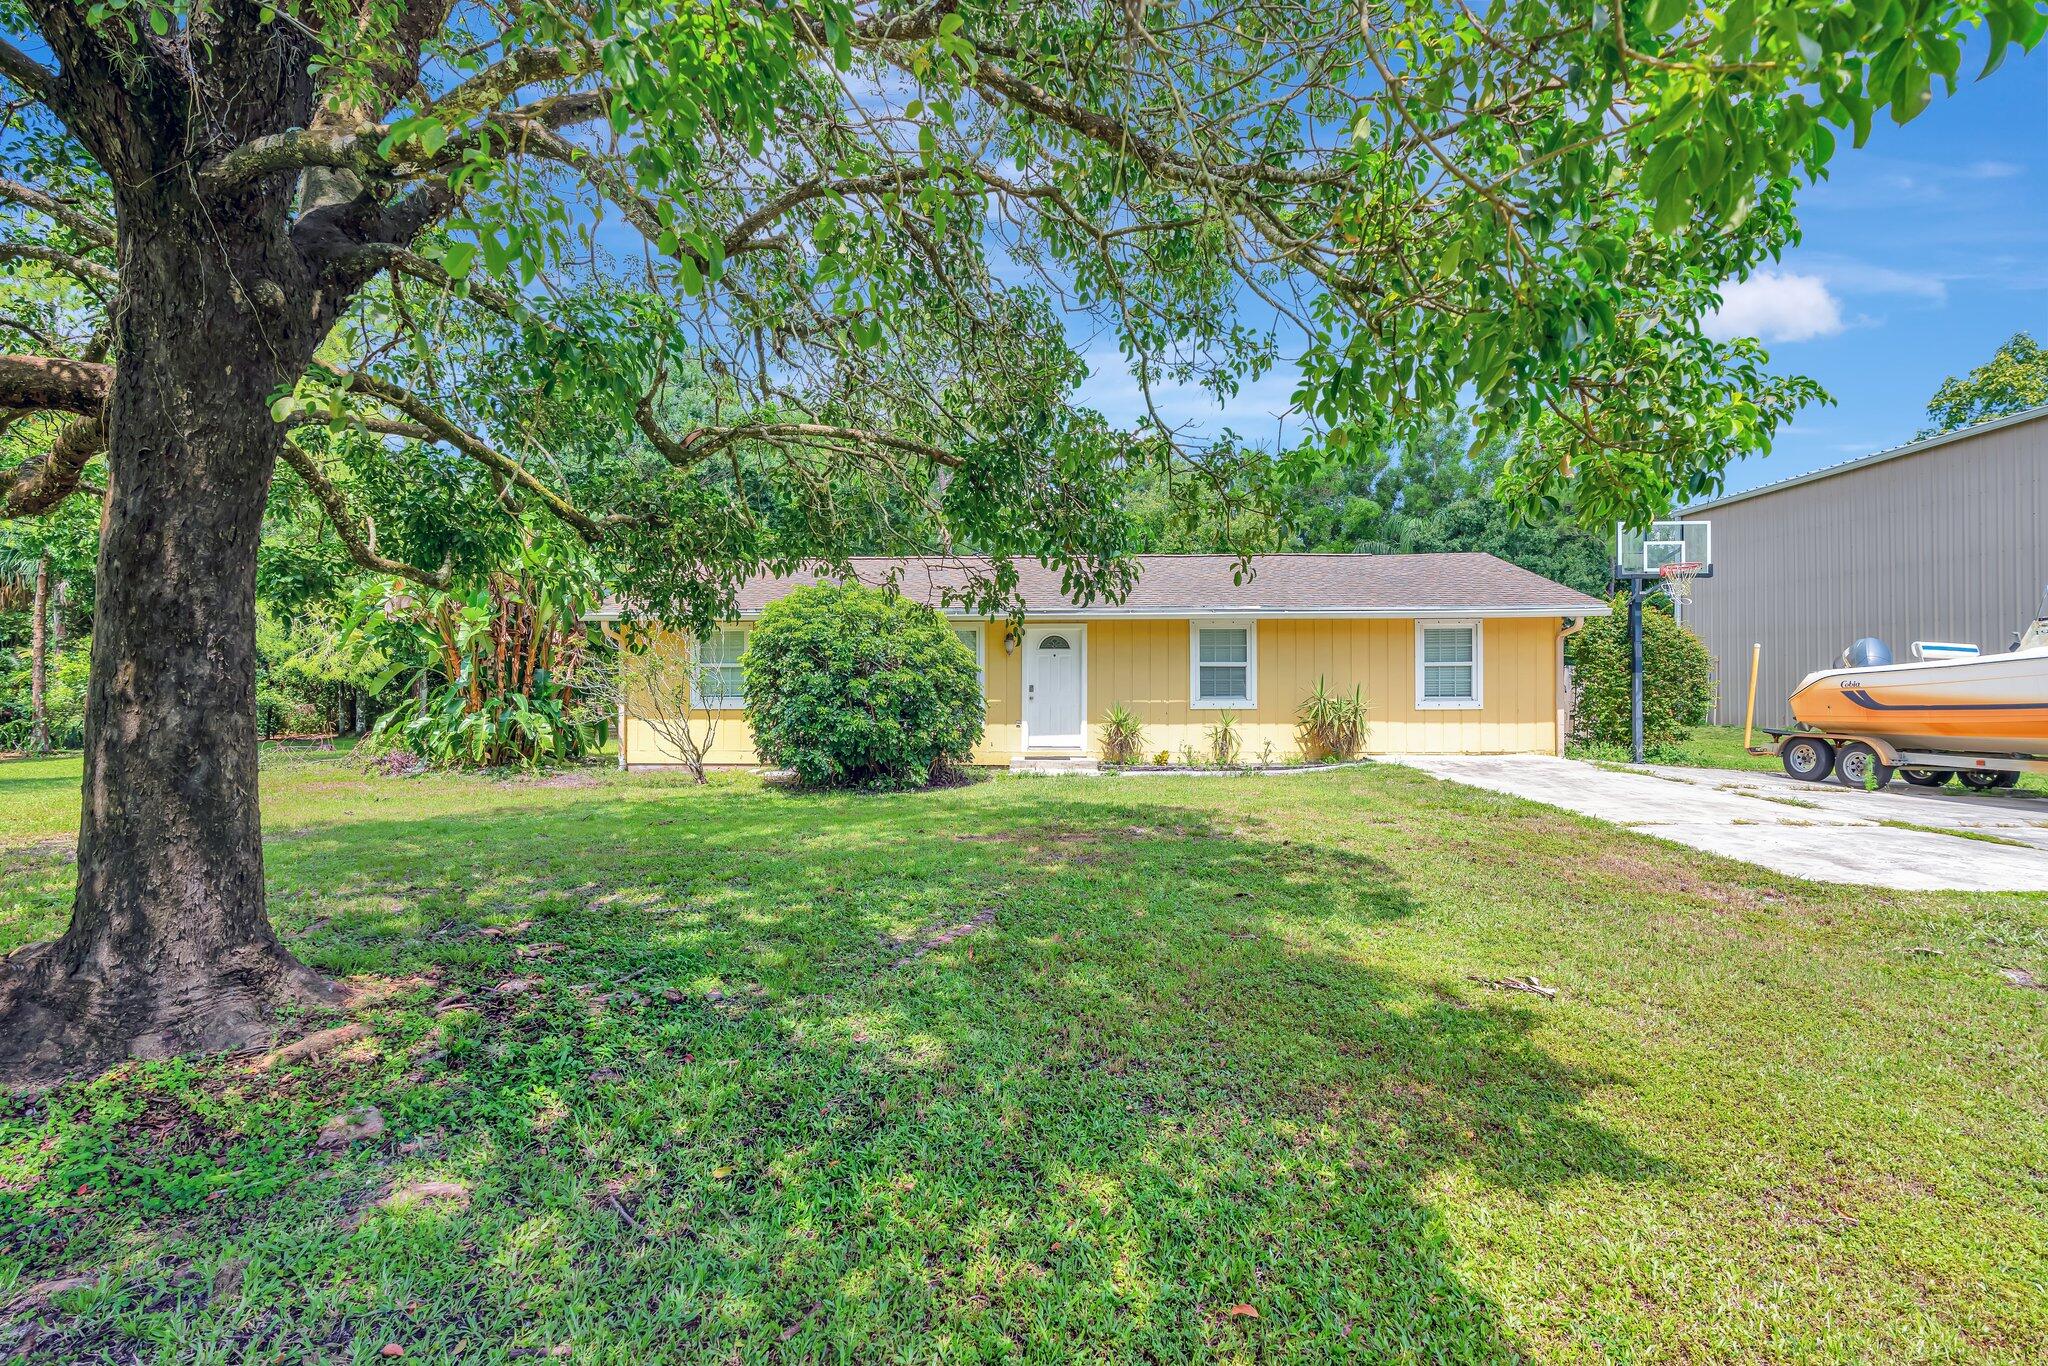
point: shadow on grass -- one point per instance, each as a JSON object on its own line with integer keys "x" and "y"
{"x": 968, "y": 1074}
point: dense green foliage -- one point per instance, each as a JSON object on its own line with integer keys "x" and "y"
{"x": 2013, "y": 380}
{"x": 492, "y": 662}
{"x": 452, "y": 728}
{"x": 64, "y": 700}
{"x": 58, "y": 548}
{"x": 1435, "y": 493}
{"x": 692, "y": 1056}
{"x": 839, "y": 326}
{"x": 1678, "y": 679}
{"x": 860, "y": 687}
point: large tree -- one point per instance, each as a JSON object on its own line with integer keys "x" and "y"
{"x": 860, "y": 220}
{"x": 2012, "y": 381}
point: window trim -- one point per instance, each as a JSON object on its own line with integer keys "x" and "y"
{"x": 980, "y": 630}
{"x": 1196, "y": 626}
{"x": 1477, "y": 701}
{"x": 725, "y": 702}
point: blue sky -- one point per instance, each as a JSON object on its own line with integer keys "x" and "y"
{"x": 1923, "y": 251}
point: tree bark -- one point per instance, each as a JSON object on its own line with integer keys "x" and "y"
{"x": 39, "y": 661}
{"x": 170, "y": 947}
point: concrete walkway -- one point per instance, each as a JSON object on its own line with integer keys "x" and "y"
{"x": 1822, "y": 831}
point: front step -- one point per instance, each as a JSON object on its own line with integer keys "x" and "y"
{"x": 1055, "y": 763}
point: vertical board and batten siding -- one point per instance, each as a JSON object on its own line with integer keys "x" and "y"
{"x": 1144, "y": 666}
{"x": 1944, "y": 543}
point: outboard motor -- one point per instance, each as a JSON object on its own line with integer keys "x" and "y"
{"x": 2037, "y": 634}
{"x": 1867, "y": 653}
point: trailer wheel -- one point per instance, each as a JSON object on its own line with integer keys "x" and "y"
{"x": 1807, "y": 758}
{"x": 1926, "y": 777}
{"x": 1978, "y": 780}
{"x": 1857, "y": 766}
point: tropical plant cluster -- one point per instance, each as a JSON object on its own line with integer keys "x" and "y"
{"x": 494, "y": 664}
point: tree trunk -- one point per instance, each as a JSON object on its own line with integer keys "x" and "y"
{"x": 170, "y": 948}
{"x": 39, "y": 661}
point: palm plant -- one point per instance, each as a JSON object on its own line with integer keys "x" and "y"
{"x": 1331, "y": 723}
{"x": 1123, "y": 735}
{"x": 1225, "y": 741}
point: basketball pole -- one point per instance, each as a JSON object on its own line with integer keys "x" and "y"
{"x": 1635, "y": 679}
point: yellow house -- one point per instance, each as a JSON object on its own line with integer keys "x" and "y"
{"x": 1457, "y": 653}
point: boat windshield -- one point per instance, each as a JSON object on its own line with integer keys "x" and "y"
{"x": 2037, "y": 635}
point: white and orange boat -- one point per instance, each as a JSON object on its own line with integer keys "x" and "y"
{"x": 1990, "y": 704}
{"x": 1951, "y": 711}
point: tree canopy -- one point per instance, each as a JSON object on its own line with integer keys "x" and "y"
{"x": 2012, "y": 381}
{"x": 849, "y": 229}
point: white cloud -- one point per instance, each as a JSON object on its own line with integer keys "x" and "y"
{"x": 1776, "y": 306}
{"x": 1995, "y": 170}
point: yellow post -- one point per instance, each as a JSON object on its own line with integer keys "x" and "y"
{"x": 1756, "y": 654}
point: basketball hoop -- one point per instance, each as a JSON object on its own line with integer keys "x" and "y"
{"x": 1679, "y": 578}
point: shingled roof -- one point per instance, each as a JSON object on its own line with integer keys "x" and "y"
{"x": 1459, "y": 584}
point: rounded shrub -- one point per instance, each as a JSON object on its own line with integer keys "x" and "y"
{"x": 1678, "y": 679}
{"x": 856, "y": 687}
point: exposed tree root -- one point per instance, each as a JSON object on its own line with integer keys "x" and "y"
{"x": 58, "y": 1022}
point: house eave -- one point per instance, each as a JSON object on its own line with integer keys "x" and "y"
{"x": 1458, "y": 612}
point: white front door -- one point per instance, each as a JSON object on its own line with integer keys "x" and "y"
{"x": 1053, "y": 717}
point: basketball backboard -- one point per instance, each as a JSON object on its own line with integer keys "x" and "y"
{"x": 1651, "y": 552}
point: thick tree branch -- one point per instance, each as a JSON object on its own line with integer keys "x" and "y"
{"x": 55, "y": 209}
{"x": 361, "y": 547}
{"x": 90, "y": 272}
{"x": 31, "y": 75}
{"x": 41, "y": 482}
{"x": 747, "y": 229}
{"x": 359, "y": 148}
{"x": 414, "y": 407}
{"x": 706, "y": 440}
{"x": 372, "y": 257}
{"x": 295, "y": 149}
{"x": 55, "y": 383}
{"x": 501, "y": 81}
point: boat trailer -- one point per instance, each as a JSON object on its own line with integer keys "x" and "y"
{"x": 1862, "y": 761}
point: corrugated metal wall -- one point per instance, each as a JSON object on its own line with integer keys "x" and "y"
{"x": 1946, "y": 543}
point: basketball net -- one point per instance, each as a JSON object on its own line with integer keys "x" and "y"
{"x": 1679, "y": 579}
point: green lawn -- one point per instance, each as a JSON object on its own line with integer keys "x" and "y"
{"x": 1188, "y": 1069}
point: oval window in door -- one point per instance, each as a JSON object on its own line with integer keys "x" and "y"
{"x": 1054, "y": 643}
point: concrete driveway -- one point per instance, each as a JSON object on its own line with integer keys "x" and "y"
{"x": 1813, "y": 830}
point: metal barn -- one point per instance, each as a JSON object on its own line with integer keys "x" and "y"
{"x": 1941, "y": 539}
